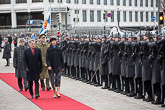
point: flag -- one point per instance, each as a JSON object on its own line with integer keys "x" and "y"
{"x": 46, "y": 25}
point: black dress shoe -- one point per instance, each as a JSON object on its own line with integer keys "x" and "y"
{"x": 26, "y": 88}
{"x": 48, "y": 88}
{"x": 31, "y": 97}
{"x": 37, "y": 96}
{"x": 163, "y": 105}
{"x": 131, "y": 95}
{"x": 144, "y": 99}
{"x": 43, "y": 89}
{"x": 21, "y": 89}
{"x": 149, "y": 100}
{"x": 118, "y": 91}
{"x": 7, "y": 65}
{"x": 106, "y": 87}
{"x": 139, "y": 97}
{"x": 157, "y": 102}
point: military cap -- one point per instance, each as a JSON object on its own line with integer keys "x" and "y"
{"x": 42, "y": 36}
{"x": 22, "y": 40}
{"x": 117, "y": 35}
{"x": 53, "y": 38}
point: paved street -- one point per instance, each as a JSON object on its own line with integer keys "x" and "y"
{"x": 91, "y": 96}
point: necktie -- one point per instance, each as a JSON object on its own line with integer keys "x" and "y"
{"x": 33, "y": 51}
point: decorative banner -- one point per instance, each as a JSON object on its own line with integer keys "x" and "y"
{"x": 109, "y": 14}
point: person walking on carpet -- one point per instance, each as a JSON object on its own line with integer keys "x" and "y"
{"x": 33, "y": 65}
{"x": 18, "y": 64}
{"x": 55, "y": 64}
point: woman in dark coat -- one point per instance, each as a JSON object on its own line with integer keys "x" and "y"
{"x": 6, "y": 52}
{"x": 54, "y": 61}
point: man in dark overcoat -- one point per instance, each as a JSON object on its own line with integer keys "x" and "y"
{"x": 138, "y": 69}
{"x": 161, "y": 59}
{"x": 116, "y": 65}
{"x": 6, "y": 52}
{"x": 146, "y": 68}
{"x": 18, "y": 64}
{"x": 33, "y": 65}
{"x": 130, "y": 67}
{"x": 156, "y": 77}
{"x": 104, "y": 63}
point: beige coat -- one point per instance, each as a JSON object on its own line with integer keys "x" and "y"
{"x": 44, "y": 73}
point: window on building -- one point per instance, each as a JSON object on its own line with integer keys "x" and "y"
{"x": 141, "y": 2}
{"x": 59, "y": 1}
{"x": 38, "y": 1}
{"x": 141, "y": 16}
{"x": 67, "y": 1}
{"x": 83, "y": 1}
{"x": 105, "y": 2}
{"x": 124, "y": 2}
{"x": 118, "y": 2}
{"x": 91, "y": 1}
{"x": 21, "y": 1}
{"x": 152, "y": 3}
{"x": 118, "y": 16}
{"x": 98, "y": 2}
{"x": 4, "y": 1}
{"x": 124, "y": 16}
{"x": 76, "y": 11}
{"x": 111, "y": 2}
{"x": 146, "y": 16}
{"x": 51, "y": 0}
{"x": 76, "y": 1}
{"x": 84, "y": 13}
{"x": 135, "y": 2}
{"x": 98, "y": 16}
{"x": 157, "y": 18}
{"x": 130, "y": 16}
{"x": 146, "y": 3}
{"x": 91, "y": 16}
{"x": 112, "y": 16}
{"x": 152, "y": 14}
{"x": 130, "y": 2}
{"x": 136, "y": 16}
{"x": 157, "y": 2}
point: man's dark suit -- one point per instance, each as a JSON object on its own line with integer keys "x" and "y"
{"x": 33, "y": 65}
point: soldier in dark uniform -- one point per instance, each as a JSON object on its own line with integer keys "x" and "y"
{"x": 146, "y": 68}
{"x": 161, "y": 53}
{"x": 76, "y": 58}
{"x": 110, "y": 63}
{"x": 96, "y": 58}
{"x": 18, "y": 64}
{"x": 64, "y": 52}
{"x": 122, "y": 60}
{"x": 90, "y": 59}
{"x": 116, "y": 68}
{"x": 156, "y": 78}
{"x": 138, "y": 69}
{"x": 104, "y": 63}
{"x": 130, "y": 68}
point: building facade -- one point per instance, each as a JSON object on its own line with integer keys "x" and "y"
{"x": 88, "y": 13}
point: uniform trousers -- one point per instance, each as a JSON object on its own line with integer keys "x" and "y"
{"x": 157, "y": 90}
{"x": 20, "y": 83}
{"x": 30, "y": 83}
{"x": 139, "y": 86}
{"x": 148, "y": 88}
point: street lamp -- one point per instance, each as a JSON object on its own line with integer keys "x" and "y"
{"x": 29, "y": 19}
{"x": 118, "y": 16}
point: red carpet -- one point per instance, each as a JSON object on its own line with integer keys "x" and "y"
{"x": 46, "y": 102}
